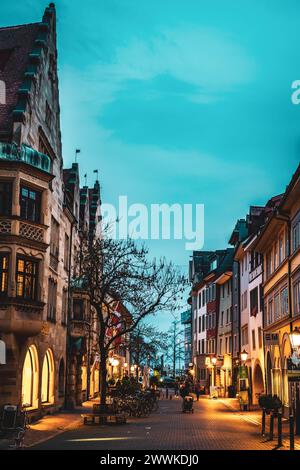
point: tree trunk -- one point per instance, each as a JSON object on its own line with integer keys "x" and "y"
{"x": 103, "y": 373}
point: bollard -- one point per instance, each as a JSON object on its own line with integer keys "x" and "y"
{"x": 271, "y": 426}
{"x": 292, "y": 431}
{"x": 279, "y": 427}
{"x": 263, "y": 422}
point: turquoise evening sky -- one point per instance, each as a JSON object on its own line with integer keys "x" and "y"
{"x": 179, "y": 101}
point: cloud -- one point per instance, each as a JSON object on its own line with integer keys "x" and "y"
{"x": 210, "y": 61}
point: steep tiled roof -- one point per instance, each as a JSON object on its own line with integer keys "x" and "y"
{"x": 16, "y": 43}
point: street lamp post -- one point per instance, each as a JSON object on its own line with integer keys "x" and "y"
{"x": 295, "y": 359}
{"x": 214, "y": 362}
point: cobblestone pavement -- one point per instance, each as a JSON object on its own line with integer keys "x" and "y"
{"x": 212, "y": 426}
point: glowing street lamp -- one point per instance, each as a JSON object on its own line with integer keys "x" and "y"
{"x": 214, "y": 360}
{"x": 295, "y": 338}
{"x": 244, "y": 355}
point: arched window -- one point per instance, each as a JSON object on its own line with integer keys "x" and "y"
{"x": 61, "y": 379}
{"x": 30, "y": 378}
{"x": 2, "y": 92}
{"x": 47, "y": 391}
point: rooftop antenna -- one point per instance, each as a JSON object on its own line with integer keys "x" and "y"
{"x": 97, "y": 173}
{"x": 85, "y": 180}
{"x": 77, "y": 151}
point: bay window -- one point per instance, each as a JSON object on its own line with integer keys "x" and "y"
{"x": 5, "y": 198}
{"x": 30, "y": 203}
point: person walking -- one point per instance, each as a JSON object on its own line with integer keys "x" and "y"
{"x": 197, "y": 390}
{"x": 176, "y": 388}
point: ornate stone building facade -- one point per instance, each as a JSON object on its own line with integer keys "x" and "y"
{"x": 43, "y": 214}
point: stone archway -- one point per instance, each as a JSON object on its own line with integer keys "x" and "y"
{"x": 258, "y": 383}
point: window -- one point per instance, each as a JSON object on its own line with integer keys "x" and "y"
{"x": 245, "y": 338}
{"x": 78, "y": 310}
{"x": 48, "y": 115}
{"x": 275, "y": 256}
{"x": 259, "y": 332}
{"x": 227, "y": 316}
{"x": 220, "y": 345}
{"x": 281, "y": 255}
{"x": 254, "y": 302}
{"x": 270, "y": 316}
{"x": 253, "y": 340}
{"x": 213, "y": 265}
{"x": 66, "y": 252}
{"x": 296, "y": 234}
{"x": 199, "y": 300}
{"x": 47, "y": 389}
{"x": 64, "y": 308}
{"x": 52, "y": 295}
{"x": 297, "y": 297}
{"x": 5, "y": 198}
{"x": 2, "y": 92}
{"x": 276, "y": 307}
{"x": 27, "y": 278}
{"x": 284, "y": 302}
{"x": 3, "y": 273}
{"x": 203, "y": 346}
{"x": 222, "y": 318}
{"x": 226, "y": 345}
{"x": 30, "y": 378}
{"x": 54, "y": 239}
{"x": 269, "y": 264}
{"x": 30, "y": 202}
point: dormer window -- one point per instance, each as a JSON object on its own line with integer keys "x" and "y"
{"x": 213, "y": 265}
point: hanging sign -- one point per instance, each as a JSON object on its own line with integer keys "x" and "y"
{"x": 243, "y": 372}
{"x": 271, "y": 339}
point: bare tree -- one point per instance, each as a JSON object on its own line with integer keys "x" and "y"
{"x": 115, "y": 271}
{"x": 145, "y": 342}
{"x": 174, "y": 348}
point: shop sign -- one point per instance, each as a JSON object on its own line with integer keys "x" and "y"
{"x": 271, "y": 339}
{"x": 243, "y": 372}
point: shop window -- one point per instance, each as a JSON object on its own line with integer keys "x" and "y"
{"x": 30, "y": 377}
{"x": 30, "y": 202}
{"x": 47, "y": 389}
{"x": 3, "y": 273}
{"x": 27, "y": 278}
{"x": 5, "y": 198}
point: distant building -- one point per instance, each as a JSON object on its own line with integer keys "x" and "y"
{"x": 186, "y": 321}
{"x": 279, "y": 244}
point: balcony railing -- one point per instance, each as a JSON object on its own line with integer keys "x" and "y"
{"x": 23, "y": 228}
{"x": 25, "y": 154}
